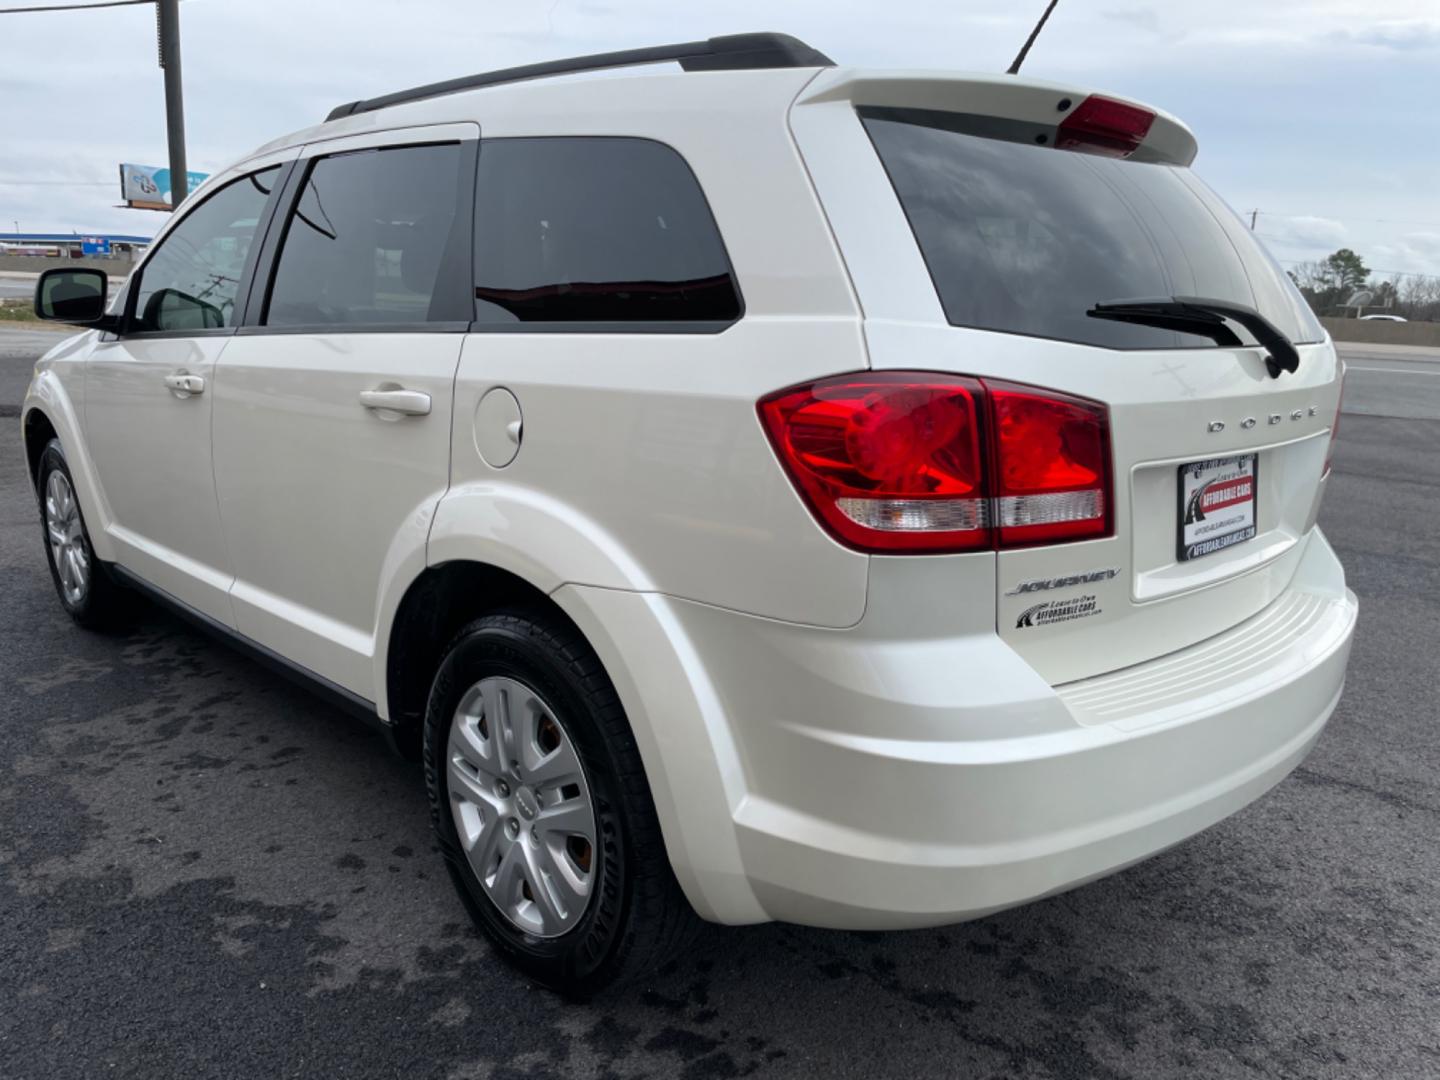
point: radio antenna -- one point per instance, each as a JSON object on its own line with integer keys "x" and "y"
{"x": 1025, "y": 49}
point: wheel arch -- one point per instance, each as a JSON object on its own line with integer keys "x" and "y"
{"x": 38, "y": 431}
{"x": 435, "y": 605}
{"x": 693, "y": 811}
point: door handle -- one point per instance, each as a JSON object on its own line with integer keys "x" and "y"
{"x": 185, "y": 385}
{"x": 406, "y": 402}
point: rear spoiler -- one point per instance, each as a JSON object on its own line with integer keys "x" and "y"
{"x": 1049, "y": 114}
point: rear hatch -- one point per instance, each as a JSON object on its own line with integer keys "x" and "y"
{"x": 1019, "y": 225}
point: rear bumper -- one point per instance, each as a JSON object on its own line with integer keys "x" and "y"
{"x": 864, "y": 793}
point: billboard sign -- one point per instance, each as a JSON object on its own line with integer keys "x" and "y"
{"x": 94, "y": 245}
{"x": 147, "y": 187}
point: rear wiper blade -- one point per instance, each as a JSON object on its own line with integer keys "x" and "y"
{"x": 1167, "y": 315}
{"x": 1201, "y": 315}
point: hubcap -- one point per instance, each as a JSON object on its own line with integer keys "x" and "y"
{"x": 67, "y": 538}
{"x": 521, "y": 806}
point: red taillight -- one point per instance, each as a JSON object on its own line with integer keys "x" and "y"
{"x": 1052, "y": 466}
{"x": 1101, "y": 125}
{"x": 897, "y": 461}
{"x": 889, "y": 462}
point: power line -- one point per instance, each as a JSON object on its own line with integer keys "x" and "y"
{"x": 73, "y": 7}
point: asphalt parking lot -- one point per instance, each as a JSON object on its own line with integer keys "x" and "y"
{"x": 204, "y": 872}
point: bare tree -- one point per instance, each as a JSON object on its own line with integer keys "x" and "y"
{"x": 1418, "y": 297}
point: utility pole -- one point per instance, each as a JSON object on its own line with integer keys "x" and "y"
{"x": 1253, "y": 214}
{"x": 167, "y": 25}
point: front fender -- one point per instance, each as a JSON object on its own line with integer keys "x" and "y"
{"x": 49, "y": 395}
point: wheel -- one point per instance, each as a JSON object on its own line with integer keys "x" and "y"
{"x": 540, "y": 804}
{"x": 87, "y": 592}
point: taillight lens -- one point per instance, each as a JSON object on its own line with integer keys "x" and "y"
{"x": 1101, "y": 125}
{"x": 889, "y": 462}
{"x": 919, "y": 462}
{"x": 1052, "y": 466}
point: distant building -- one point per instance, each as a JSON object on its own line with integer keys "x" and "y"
{"x": 73, "y": 245}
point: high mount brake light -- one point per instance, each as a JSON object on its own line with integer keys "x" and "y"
{"x": 922, "y": 462}
{"x": 1101, "y": 125}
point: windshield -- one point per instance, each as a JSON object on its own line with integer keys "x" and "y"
{"x": 1025, "y": 239}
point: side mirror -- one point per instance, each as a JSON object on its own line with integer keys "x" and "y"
{"x": 73, "y": 296}
{"x": 171, "y": 309}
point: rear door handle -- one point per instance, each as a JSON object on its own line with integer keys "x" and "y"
{"x": 184, "y": 385}
{"x": 406, "y": 402}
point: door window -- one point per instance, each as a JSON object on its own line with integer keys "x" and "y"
{"x": 595, "y": 230}
{"x": 371, "y": 242}
{"x": 191, "y": 280}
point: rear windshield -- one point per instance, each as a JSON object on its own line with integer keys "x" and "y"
{"x": 1025, "y": 239}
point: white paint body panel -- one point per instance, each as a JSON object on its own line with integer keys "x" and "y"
{"x": 319, "y": 494}
{"x": 1162, "y": 404}
{"x": 648, "y": 445}
{"x": 916, "y": 771}
{"x": 831, "y": 738}
{"x": 151, "y": 449}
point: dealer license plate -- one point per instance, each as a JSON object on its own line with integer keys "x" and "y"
{"x": 1217, "y": 504}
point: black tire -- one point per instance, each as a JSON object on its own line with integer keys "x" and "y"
{"x": 102, "y": 604}
{"x": 637, "y": 917}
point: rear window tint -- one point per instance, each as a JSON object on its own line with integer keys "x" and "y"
{"x": 595, "y": 230}
{"x": 1025, "y": 239}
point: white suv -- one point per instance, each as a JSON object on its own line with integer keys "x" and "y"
{"x": 769, "y": 490}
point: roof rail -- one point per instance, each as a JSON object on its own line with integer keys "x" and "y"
{"x": 729, "y": 53}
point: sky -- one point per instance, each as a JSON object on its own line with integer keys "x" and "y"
{"x": 1321, "y": 114}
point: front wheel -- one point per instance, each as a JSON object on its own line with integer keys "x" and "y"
{"x": 542, "y": 810}
{"x": 88, "y": 594}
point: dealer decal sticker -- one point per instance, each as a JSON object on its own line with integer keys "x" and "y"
{"x": 1058, "y": 611}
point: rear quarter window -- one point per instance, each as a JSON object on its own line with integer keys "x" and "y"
{"x": 608, "y": 231}
{"x": 1025, "y": 239}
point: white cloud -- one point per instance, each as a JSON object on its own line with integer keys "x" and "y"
{"x": 1303, "y": 232}
{"x": 1147, "y": 19}
{"x": 1403, "y": 36}
{"x": 1293, "y": 111}
{"x": 1416, "y": 252}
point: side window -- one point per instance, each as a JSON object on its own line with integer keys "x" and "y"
{"x": 190, "y": 282}
{"x": 594, "y": 230}
{"x": 371, "y": 242}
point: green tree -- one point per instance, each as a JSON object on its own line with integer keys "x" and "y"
{"x": 1344, "y": 271}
